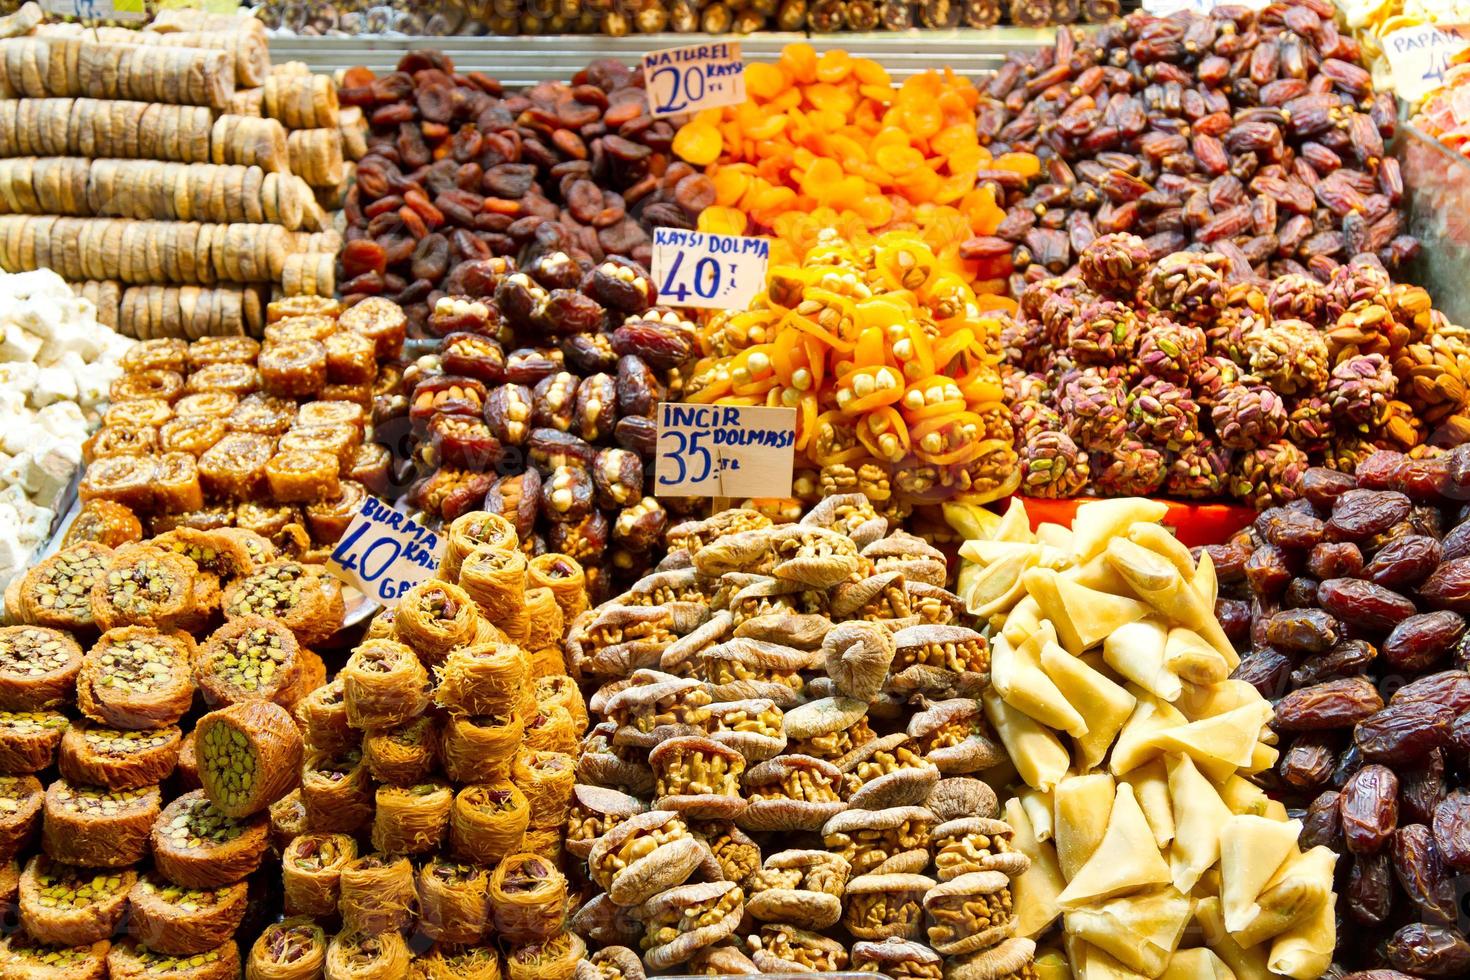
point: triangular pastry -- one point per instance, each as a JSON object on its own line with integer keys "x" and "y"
{"x": 1126, "y": 860}
{"x": 1199, "y": 815}
{"x": 1016, "y": 674}
{"x": 1082, "y": 805}
{"x": 1305, "y": 951}
{"x": 1103, "y": 705}
{"x": 1136, "y": 651}
{"x": 1136, "y": 743}
{"x": 1303, "y": 882}
{"x": 1140, "y": 931}
{"x": 1034, "y": 893}
{"x": 1039, "y": 756}
{"x": 1200, "y": 963}
{"x": 1159, "y": 540}
{"x": 1099, "y": 521}
{"x": 1251, "y": 851}
{"x": 1150, "y": 784}
{"x": 1187, "y": 654}
{"x": 1155, "y": 579}
{"x": 1246, "y": 962}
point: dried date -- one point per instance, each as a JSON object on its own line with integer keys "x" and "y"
{"x": 1403, "y": 733}
{"x": 1429, "y": 950}
{"x": 1302, "y": 630}
{"x": 1404, "y": 562}
{"x": 1370, "y": 889}
{"x": 1369, "y": 809}
{"x": 1359, "y": 514}
{"x": 1367, "y": 606}
{"x": 1451, "y": 826}
{"x": 1448, "y": 586}
{"x": 1419, "y": 642}
{"x": 1422, "y": 873}
{"x": 1348, "y": 658}
{"x": 1335, "y": 559}
{"x": 1322, "y": 826}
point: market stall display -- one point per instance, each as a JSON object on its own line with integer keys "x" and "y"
{"x": 56, "y": 363}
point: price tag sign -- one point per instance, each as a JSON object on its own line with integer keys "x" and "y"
{"x": 383, "y": 553}
{"x": 97, "y": 9}
{"x": 701, "y": 76}
{"x": 716, "y": 272}
{"x": 724, "y": 451}
{"x": 1418, "y": 57}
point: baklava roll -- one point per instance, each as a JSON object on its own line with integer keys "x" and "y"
{"x": 337, "y": 792}
{"x": 187, "y": 767}
{"x": 484, "y": 679}
{"x": 137, "y": 677}
{"x": 144, "y": 586}
{"x": 471, "y": 531}
{"x": 130, "y": 960}
{"x": 496, "y": 580}
{"x": 454, "y": 900}
{"x": 26, "y": 958}
{"x": 57, "y": 592}
{"x": 21, "y": 798}
{"x": 184, "y": 921}
{"x": 404, "y": 755}
{"x": 551, "y": 729}
{"x": 288, "y": 819}
{"x": 559, "y": 689}
{"x": 299, "y": 596}
{"x": 292, "y": 949}
{"x": 528, "y": 898}
{"x": 548, "y": 662}
{"x": 176, "y": 485}
{"x": 247, "y": 658}
{"x": 544, "y": 624}
{"x": 38, "y": 667}
{"x": 197, "y": 846}
{"x": 311, "y": 871}
{"x": 385, "y": 684}
{"x": 97, "y": 827}
{"x": 28, "y": 739}
{"x": 479, "y": 748}
{"x": 411, "y": 819}
{"x": 322, "y": 715}
{"x": 95, "y": 755}
{"x": 249, "y": 756}
{"x": 547, "y": 779}
{"x": 552, "y": 959}
{"x": 360, "y": 956}
{"x": 448, "y": 962}
{"x": 309, "y": 675}
{"x": 377, "y": 894}
{"x": 566, "y": 580}
{"x": 66, "y": 905}
{"x": 434, "y": 617}
{"x": 488, "y": 821}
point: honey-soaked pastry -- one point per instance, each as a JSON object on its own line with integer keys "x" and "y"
{"x": 329, "y": 517}
{"x": 488, "y": 821}
{"x": 372, "y": 468}
{"x": 411, "y": 819}
{"x": 293, "y": 368}
{"x": 262, "y": 414}
{"x": 544, "y": 841}
{"x": 623, "y": 864}
{"x": 384, "y": 685}
{"x": 658, "y": 707}
{"x": 828, "y": 728}
{"x": 479, "y": 748}
{"x": 160, "y": 354}
{"x": 197, "y": 846}
{"x": 289, "y": 306}
{"x": 234, "y": 467}
{"x": 551, "y": 729}
{"x": 351, "y": 359}
{"x": 803, "y": 888}
{"x": 222, "y": 350}
{"x": 27, "y": 958}
{"x": 898, "y": 958}
{"x": 403, "y": 755}
{"x": 552, "y": 959}
{"x": 781, "y": 947}
{"x": 249, "y": 756}
{"x": 246, "y": 658}
{"x": 225, "y": 552}
{"x": 96, "y": 755}
{"x": 184, "y": 921}
{"x": 105, "y": 522}
{"x": 311, "y": 869}
{"x": 566, "y": 579}
{"x": 310, "y": 674}
{"x": 302, "y": 477}
{"x": 292, "y": 949}
{"x": 21, "y": 798}
{"x": 469, "y": 532}
{"x": 116, "y": 440}
{"x": 547, "y": 779}
{"x": 69, "y": 906}
{"x": 337, "y": 791}
{"x": 886, "y": 772}
{"x": 186, "y": 769}
{"x": 57, "y": 592}
{"x": 322, "y": 715}
{"x": 381, "y": 321}
{"x": 299, "y": 328}
{"x": 971, "y": 844}
{"x": 880, "y": 906}
{"x": 225, "y": 377}
{"x": 560, "y": 690}
{"x": 495, "y": 579}
{"x": 297, "y": 595}
{"x": 98, "y": 827}
{"x": 377, "y": 894}
{"x": 38, "y": 667}
{"x": 593, "y": 811}
{"x": 137, "y": 677}
{"x": 156, "y": 383}
{"x": 130, "y": 960}
{"x": 29, "y": 739}
{"x": 453, "y": 901}
{"x": 544, "y": 623}
{"x": 206, "y": 404}
{"x": 434, "y": 617}
{"x": 790, "y": 793}
{"x": 367, "y": 956}
{"x": 889, "y": 841}
{"x": 528, "y": 898}
{"x": 687, "y": 918}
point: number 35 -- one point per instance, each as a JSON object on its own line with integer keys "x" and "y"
{"x": 687, "y": 445}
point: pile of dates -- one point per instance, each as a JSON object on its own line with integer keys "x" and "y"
{"x": 539, "y": 405}
{"x": 1354, "y": 599}
{"x": 1257, "y": 135}
{"x": 458, "y": 171}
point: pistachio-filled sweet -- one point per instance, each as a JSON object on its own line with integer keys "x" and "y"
{"x": 133, "y": 961}
{"x": 198, "y": 846}
{"x": 29, "y": 739}
{"x": 58, "y": 591}
{"x": 38, "y": 667}
{"x": 292, "y": 949}
{"x": 34, "y": 960}
{"x": 183, "y": 921}
{"x": 97, "y": 827}
{"x": 71, "y": 906}
{"x": 249, "y": 756}
{"x": 118, "y": 758}
{"x": 311, "y": 871}
{"x": 21, "y": 798}
{"x": 248, "y": 657}
{"x": 137, "y": 677}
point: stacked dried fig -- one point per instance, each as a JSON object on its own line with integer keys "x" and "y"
{"x": 1256, "y": 134}
{"x": 1353, "y": 599}
{"x": 539, "y": 405}
{"x": 459, "y": 173}
{"x": 786, "y": 726}
{"x": 1141, "y": 377}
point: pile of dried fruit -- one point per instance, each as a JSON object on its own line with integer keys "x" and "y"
{"x": 111, "y": 721}
{"x": 806, "y": 684}
{"x": 890, "y": 360}
{"x": 1135, "y": 756}
{"x": 1353, "y": 599}
{"x": 1258, "y": 135}
{"x": 1137, "y": 377}
{"x": 829, "y": 141}
{"x": 461, "y": 783}
{"x": 459, "y": 173}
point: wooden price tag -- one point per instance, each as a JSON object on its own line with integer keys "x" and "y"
{"x": 724, "y": 451}
{"x": 715, "y": 272}
{"x": 701, "y": 76}
{"x": 383, "y": 553}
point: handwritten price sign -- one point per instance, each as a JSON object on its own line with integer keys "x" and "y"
{"x": 716, "y": 272}
{"x": 383, "y": 553}
{"x": 701, "y": 76}
{"x": 724, "y": 451}
{"x": 1418, "y": 57}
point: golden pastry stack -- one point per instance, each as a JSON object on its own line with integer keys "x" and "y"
{"x": 229, "y": 432}
{"x": 126, "y": 168}
{"x": 448, "y": 747}
{"x": 1133, "y": 751}
{"x": 102, "y": 731}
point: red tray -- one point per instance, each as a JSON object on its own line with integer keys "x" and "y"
{"x": 1195, "y": 524}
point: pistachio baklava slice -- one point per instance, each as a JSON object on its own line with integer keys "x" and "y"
{"x": 119, "y": 758}
{"x": 21, "y": 799}
{"x": 137, "y": 677}
{"x": 66, "y": 905}
{"x": 131, "y": 960}
{"x": 29, "y": 739}
{"x": 198, "y": 846}
{"x": 38, "y": 667}
{"x": 98, "y": 827}
{"x": 26, "y": 958}
{"x": 170, "y": 918}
